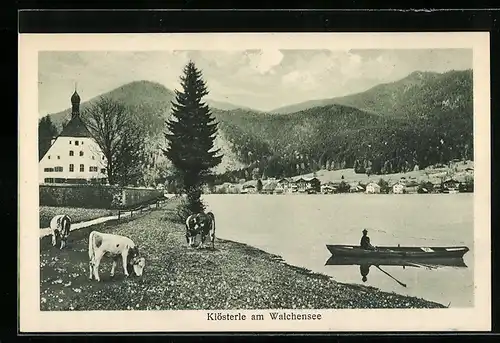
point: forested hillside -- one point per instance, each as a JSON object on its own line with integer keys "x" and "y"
{"x": 424, "y": 119}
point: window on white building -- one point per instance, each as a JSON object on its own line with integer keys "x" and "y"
{"x": 93, "y": 157}
{"x": 58, "y": 169}
{"x": 58, "y": 157}
{"x": 71, "y": 167}
{"x": 82, "y": 168}
{"x": 71, "y": 153}
{"x": 48, "y": 170}
{"x": 76, "y": 143}
{"x": 103, "y": 170}
{"x": 81, "y": 153}
{"x": 49, "y": 157}
{"x": 69, "y": 142}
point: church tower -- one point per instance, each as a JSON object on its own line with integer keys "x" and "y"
{"x": 74, "y": 156}
{"x": 75, "y": 104}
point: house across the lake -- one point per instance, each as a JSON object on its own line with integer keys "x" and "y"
{"x": 356, "y": 187}
{"x": 398, "y": 188}
{"x": 285, "y": 185}
{"x": 372, "y": 188}
{"x": 269, "y": 187}
{"x": 249, "y": 187}
{"x": 451, "y": 185}
{"x": 308, "y": 185}
{"x": 227, "y": 187}
{"x": 327, "y": 189}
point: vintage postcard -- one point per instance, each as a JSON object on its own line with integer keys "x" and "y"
{"x": 254, "y": 182}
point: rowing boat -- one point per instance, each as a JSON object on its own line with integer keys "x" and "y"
{"x": 398, "y": 252}
{"x": 397, "y": 261}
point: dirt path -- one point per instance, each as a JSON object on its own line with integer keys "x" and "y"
{"x": 76, "y": 226}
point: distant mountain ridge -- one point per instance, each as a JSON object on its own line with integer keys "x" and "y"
{"x": 423, "y": 119}
{"x": 395, "y": 98}
{"x": 142, "y": 93}
{"x": 226, "y": 106}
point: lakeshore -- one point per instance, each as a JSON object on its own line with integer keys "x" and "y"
{"x": 233, "y": 276}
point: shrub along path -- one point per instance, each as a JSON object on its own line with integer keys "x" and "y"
{"x": 233, "y": 276}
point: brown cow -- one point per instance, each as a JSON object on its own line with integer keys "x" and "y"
{"x": 200, "y": 223}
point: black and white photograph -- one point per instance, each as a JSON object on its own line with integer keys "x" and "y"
{"x": 255, "y": 182}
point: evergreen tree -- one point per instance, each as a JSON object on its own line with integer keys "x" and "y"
{"x": 191, "y": 134}
{"x": 259, "y": 185}
{"x": 46, "y": 131}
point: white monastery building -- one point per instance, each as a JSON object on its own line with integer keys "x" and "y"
{"x": 74, "y": 156}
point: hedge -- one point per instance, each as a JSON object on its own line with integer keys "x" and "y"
{"x": 95, "y": 196}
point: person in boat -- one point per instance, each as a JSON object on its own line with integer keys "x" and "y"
{"x": 364, "y": 269}
{"x": 365, "y": 241}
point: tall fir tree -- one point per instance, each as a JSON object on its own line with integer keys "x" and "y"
{"x": 191, "y": 133}
{"x": 46, "y": 131}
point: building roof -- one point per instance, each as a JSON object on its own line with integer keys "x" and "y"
{"x": 306, "y": 179}
{"x": 75, "y": 128}
{"x": 270, "y": 185}
{"x": 250, "y": 183}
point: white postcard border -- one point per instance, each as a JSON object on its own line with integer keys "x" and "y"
{"x": 34, "y": 320}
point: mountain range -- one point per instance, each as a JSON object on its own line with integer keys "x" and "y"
{"x": 421, "y": 119}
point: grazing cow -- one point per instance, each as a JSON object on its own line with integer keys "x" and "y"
{"x": 115, "y": 247}
{"x": 60, "y": 226}
{"x": 200, "y": 223}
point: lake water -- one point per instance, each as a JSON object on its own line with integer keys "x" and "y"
{"x": 297, "y": 227}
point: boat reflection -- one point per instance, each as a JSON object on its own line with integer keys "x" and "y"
{"x": 365, "y": 264}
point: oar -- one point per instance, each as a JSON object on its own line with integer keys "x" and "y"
{"x": 392, "y": 277}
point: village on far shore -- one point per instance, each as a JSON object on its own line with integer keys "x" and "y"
{"x": 455, "y": 177}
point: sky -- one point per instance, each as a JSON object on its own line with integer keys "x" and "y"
{"x": 259, "y": 79}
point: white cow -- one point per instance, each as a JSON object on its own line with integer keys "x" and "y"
{"x": 114, "y": 246}
{"x": 60, "y": 227}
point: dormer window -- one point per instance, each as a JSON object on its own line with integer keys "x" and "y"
{"x": 71, "y": 153}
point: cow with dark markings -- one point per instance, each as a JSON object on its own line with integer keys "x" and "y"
{"x": 60, "y": 227}
{"x": 203, "y": 224}
{"x": 116, "y": 247}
